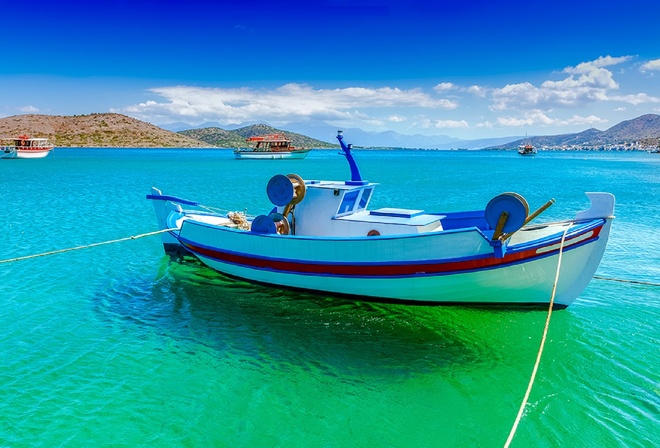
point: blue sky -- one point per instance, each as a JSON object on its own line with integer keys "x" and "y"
{"x": 464, "y": 69}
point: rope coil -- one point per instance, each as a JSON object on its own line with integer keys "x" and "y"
{"x": 239, "y": 219}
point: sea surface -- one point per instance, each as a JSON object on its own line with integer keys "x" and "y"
{"x": 119, "y": 345}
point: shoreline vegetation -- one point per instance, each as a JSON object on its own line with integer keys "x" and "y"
{"x": 112, "y": 130}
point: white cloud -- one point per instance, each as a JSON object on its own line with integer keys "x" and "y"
{"x": 442, "y": 124}
{"x": 444, "y": 86}
{"x": 28, "y": 109}
{"x": 651, "y": 66}
{"x": 541, "y": 103}
{"x": 477, "y": 91}
{"x": 636, "y": 99}
{"x": 603, "y": 61}
{"x": 537, "y": 117}
{"x": 578, "y": 120}
{"x": 587, "y": 82}
{"x": 530, "y": 118}
{"x": 286, "y": 103}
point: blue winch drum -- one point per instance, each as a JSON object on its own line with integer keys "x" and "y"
{"x": 263, "y": 224}
{"x": 512, "y": 203}
{"x": 280, "y": 190}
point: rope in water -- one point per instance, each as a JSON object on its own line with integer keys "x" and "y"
{"x": 636, "y": 282}
{"x": 43, "y": 254}
{"x": 543, "y": 338}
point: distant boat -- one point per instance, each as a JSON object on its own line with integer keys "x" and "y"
{"x": 271, "y": 146}
{"x": 526, "y": 150}
{"x": 24, "y": 147}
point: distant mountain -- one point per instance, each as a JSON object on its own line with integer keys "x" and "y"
{"x": 236, "y": 138}
{"x": 641, "y": 128}
{"x": 483, "y": 142}
{"x": 383, "y": 139}
{"x": 391, "y": 139}
{"x": 215, "y": 136}
{"x": 644, "y": 129}
{"x": 319, "y": 130}
{"x": 181, "y": 126}
{"x": 324, "y": 132}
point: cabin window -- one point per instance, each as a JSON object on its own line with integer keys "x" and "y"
{"x": 364, "y": 199}
{"x": 348, "y": 203}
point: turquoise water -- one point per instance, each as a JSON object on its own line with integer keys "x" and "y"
{"x": 118, "y": 345}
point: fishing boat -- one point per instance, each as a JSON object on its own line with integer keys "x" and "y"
{"x": 24, "y": 147}
{"x": 271, "y": 146}
{"x": 526, "y": 150}
{"x": 321, "y": 236}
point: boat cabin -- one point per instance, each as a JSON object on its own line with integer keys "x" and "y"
{"x": 31, "y": 142}
{"x": 340, "y": 209}
{"x": 270, "y": 142}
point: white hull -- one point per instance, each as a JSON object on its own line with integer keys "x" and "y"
{"x": 271, "y": 154}
{"x": 502, "y": 281}
{"x": 26, "y": 148}
{"x": 24, "y": 154}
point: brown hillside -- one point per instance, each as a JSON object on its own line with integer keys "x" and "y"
{"x": 95, "y": 130}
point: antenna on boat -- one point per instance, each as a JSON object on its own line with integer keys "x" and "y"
{"x": 356, "y": 178}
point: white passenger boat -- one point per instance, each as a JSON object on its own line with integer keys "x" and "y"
{"x": 271, "y": 146}
{"x": 526, "y": 150}
{"x": 322, "y": 236}
{"x": 25, "y": 147}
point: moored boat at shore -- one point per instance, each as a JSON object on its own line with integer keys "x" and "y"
{"x": 322, "y": 236}
{"x": 24, "y": 147}
{"x": 271, "y": 146}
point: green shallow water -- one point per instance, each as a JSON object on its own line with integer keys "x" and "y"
{"x": 119, "y": 345}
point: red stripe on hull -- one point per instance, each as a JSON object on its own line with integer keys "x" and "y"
{"x": 383, "y": 269}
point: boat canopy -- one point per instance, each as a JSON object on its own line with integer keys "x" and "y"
{"x": 268, "y": 138}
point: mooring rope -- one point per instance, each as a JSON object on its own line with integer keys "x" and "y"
{"x": 636, "y": 282}
{"x": 543, "y": 338}
{"x": 43, "y": 254}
